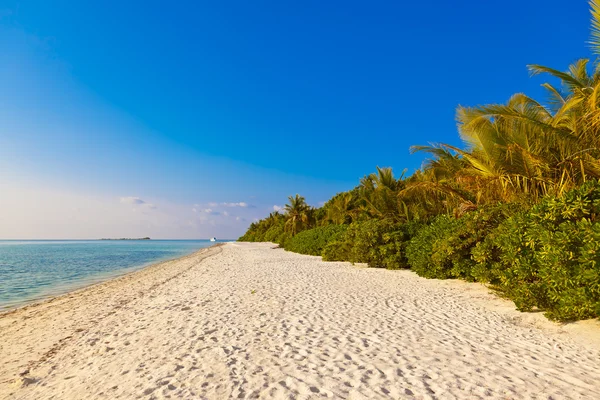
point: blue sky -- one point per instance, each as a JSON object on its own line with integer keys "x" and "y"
{"x": 201, "y": 105}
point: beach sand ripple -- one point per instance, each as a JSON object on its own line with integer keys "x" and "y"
{"x": 245, "y": 320}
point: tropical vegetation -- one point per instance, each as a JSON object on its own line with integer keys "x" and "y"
{"x": 516, "y": 207}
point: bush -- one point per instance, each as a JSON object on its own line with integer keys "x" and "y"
{"x": 443, "y": 249}
{"x": 247, "y": 237}
{"x": 312, "y": 241}
{"x": 347, "y": 248}
{"x": 391, "y": 253}
{"x": 337, "y": 250}
{"x": 549, "y": 258}
{"x": 273, "y": 233}
{"x": 270, "y": 229}
{"x": 379, "y": 243}
{"x": 420, "y": 251}
{"x": 282, "y": 239}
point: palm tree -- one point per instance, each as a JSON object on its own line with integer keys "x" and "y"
{"x": 298, "y": 214}
{"x": 379, "y": 195}
{"x": 440, "y": 186}
{"x": 272, "y": 218}
{"x": 340, "y": 209}
{"x": 524, "y": 148}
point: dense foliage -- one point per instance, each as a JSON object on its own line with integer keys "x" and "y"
{"x": 379, "y": 243}
{"x": 443, "y": 248}
{"x": 516, "y": 207}
{"x": 549, "y": 257}
{"x": 270, "y": 229}
{"x": 312, "y": 241}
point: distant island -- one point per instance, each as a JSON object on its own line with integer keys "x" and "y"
{"x": 144, "y": 238}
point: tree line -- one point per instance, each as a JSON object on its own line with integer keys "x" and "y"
{"x": 516, "y": 206}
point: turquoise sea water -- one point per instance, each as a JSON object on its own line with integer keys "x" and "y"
{"x": 35, "y": 270}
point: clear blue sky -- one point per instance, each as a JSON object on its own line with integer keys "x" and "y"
{"x": 194, "y": 103}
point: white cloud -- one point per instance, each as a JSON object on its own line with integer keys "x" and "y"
{"x": 136, "y": 201}
{"x": 225, "y": 213}
{"x": 277, "y": 208}
{"x": 240, "y": 204}
{"x": 84, "y": 215}
{"x": 210, "y": 211}
{"x": 132, "y": 200}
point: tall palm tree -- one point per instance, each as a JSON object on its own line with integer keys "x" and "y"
{"x": 340, "y": 209}
{"x": 297, "y": 214}
{"x": 379, "y": 195}
{"x": 525, "y": 148}
{"x": 440, "y": 186}
{"x": 529, "y": 148}
{"x": 272, "y": 218}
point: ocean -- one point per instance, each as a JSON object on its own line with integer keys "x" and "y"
{"x": 34, "y": 270}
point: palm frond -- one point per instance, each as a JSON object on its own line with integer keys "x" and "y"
{"x": 595, "y": 29}
{"x": 569, "y": 80}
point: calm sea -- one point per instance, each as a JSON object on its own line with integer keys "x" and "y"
{"x": 36, "y": 270}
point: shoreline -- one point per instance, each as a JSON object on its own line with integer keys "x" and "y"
{"x": 248, "y": 320}
{"x": 118, "y": 285}
{"x": 100, "y": 279}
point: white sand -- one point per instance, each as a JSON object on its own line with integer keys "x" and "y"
{"x": 247, "y": 321}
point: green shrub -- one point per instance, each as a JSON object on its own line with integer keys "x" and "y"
{"x": 499, "y": 245}
{"x": 379, "y": 243}
{"x": 549, "y": 258}
{"x": 391, "y": 252}
{"x": 273, "y": 233}
{"x": 312, "y": 241}
{"x": 337, "y": 250}
{"x": 420, "y": 251}
{"x": 255, "y": 235}
{"x": 443, "y": 249}
{"x": 247, "y": 237}
{"x": 269, "y": 229}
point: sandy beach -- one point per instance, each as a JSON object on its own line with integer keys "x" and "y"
{"x": 244, "y": 320}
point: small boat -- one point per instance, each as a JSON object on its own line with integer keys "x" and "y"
{"x": 213, "y": 239}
